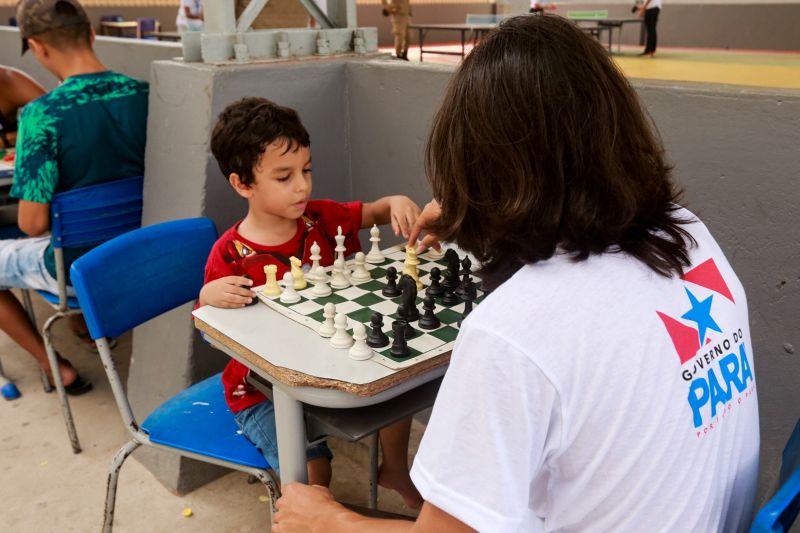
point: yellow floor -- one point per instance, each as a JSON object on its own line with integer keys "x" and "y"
{"x": 748, "y": 68}
{"x": 759, "y": 69}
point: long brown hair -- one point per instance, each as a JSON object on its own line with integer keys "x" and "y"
{"x": 541, "y": 144}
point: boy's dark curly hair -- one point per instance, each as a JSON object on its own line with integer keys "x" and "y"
{"x": 245, "y": 128}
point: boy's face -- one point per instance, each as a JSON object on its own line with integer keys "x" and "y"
{"x": 282, "y": 183}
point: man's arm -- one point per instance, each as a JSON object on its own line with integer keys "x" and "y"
{"x": 313, "y": 509}
{"x": 33, "y": 218}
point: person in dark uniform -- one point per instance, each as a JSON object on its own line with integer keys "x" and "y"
{"x": 650, "y": 10}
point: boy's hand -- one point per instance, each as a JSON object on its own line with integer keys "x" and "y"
{"x": 430, "y": 213}
{"x": 403, "y": 212}
{"x": 229, "y": 292}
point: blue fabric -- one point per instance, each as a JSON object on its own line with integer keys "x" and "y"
{"x": 198, "y": 420}
{"x": 780, "y": 512}
{"x": 258, "y": 425}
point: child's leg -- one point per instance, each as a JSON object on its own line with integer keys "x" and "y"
{"x": 393, "y": 472}
{"x": 258, "y": 425}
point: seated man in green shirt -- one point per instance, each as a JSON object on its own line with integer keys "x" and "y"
{"x": 90, "y": 129}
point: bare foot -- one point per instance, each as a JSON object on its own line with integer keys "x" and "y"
{"x": 400, "y": 482}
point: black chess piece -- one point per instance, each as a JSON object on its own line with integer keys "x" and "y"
{"x": 408, "y": 305}
{"x": 435, "y": 288}
{"x": 399, "y": 347}
{"x": 466, "y": 280}
{"x": 255, "y": 298}
{"x": 469, "y": 294}
{"x": 450, "y": 297}
{"x": 377, "y": 338}
{"x": 451, "y": 275}
{"x": 391, "y": 290}
{"x": 428, "y": 319}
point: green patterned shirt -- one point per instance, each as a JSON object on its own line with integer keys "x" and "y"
{"x": 90, "y": 129}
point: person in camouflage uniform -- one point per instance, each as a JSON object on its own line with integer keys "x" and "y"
{"x": 90, "y": 129}
{"x": 399, "y": 12}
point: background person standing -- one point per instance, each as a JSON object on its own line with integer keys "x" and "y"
{"x": 650, "y": 10}
{"x": 400, "y": 13}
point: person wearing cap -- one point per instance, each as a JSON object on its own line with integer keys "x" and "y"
{"x": 16, "y": 90}
{"x": 90, "y": 129}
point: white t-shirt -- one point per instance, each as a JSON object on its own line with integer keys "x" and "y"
{"x": 195, "y": 8}
{"x": 579, "y": 398}
{"x": 654, "y": 4}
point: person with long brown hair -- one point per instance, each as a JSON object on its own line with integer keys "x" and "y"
{"x": 606, "y": 383}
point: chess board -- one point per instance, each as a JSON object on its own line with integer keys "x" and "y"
{"x": 360, "y": 300}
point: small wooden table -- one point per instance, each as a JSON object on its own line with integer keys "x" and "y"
{"x": 304, "y": 369}
{"x": 119, "y": 28}
{"x": 476, "y": 31}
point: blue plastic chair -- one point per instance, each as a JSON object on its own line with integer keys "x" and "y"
{"x": 147, "y": 26}
{"x": 780, "y": 512}
{"x": 128, "y": 281}
{"x": 79, "y": 218}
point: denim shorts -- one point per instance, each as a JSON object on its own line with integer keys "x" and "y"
{"x": 22, "y": 265}
{"x": 258, "y": 425}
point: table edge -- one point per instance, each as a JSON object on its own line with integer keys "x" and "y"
{"x": 294, "y": 378}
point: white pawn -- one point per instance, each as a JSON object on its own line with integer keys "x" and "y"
{"x": 341, "y": 339}
{"x": 340, "y": 247}
{"x": 433, "y": 253}
{"x": 316, "y": 272}
{"x": 327, "y": 329}
{"x": 339, "y": 280}
{"x": 321, "y": 288}
{"x": 360, "y": 272}
{"x": 289, "y": 294}
{"x": 375, "y": 255}
{"x": 360, "y": 351}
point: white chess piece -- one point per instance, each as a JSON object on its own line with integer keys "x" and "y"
{"x": 289, "y": 294}
{"x": 434, "y": 254}
{"x": 360, "y": 272}
{"x": 341, "y": 339}
{"x": 360, "y": 351}
{"x": 321, "y": 288}
{"x": 327, "y": 329}
{"x": 299, "y": 280}
{"x": 338, "y": 279}
{"x": 411, "y": 264}
{"x": 375, "y": 255}
{"x": 316, "y": 272}
{"x": 340, "y": 248}
{"x": 271, "y": 288}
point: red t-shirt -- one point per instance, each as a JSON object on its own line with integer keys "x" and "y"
{"x": 233, "y": 255}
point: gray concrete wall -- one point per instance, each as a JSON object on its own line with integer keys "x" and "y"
{"x": 129, "y": 56}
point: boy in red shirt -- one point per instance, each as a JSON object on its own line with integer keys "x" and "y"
{"x": 264, "y": 151}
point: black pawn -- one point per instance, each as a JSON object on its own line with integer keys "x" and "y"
{"x": 435, "y": 288}
{"x": 377, "y": 338}
{"x": 429, "y": 320}
{"x": 469, "y": 295}
{"x": 399, "y": 347}
{"x": 391, "y": 290}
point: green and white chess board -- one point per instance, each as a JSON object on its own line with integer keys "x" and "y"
{"x": 359, "y": 301}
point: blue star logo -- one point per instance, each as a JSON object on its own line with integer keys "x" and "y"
{"x": 701, "y": 314}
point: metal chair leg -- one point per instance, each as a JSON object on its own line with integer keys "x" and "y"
{"x": 372, "y": 503}
{"x": 270, "y": 481}
{"x": 62, "y": 393}
{"x": 111, "y": 485}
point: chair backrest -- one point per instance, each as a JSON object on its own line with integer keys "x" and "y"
{"x": 112, "y": 18}
{"x": 147, "y": 25}
{"x": 94, "y": 214}
{"x": 780, "y": 512}
{"x": 142, "y": 274}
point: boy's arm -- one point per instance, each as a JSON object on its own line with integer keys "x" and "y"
{"x": 222, "y": 288}
{"x": 33, "y": 218}
{"x": 400, "y": 210}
